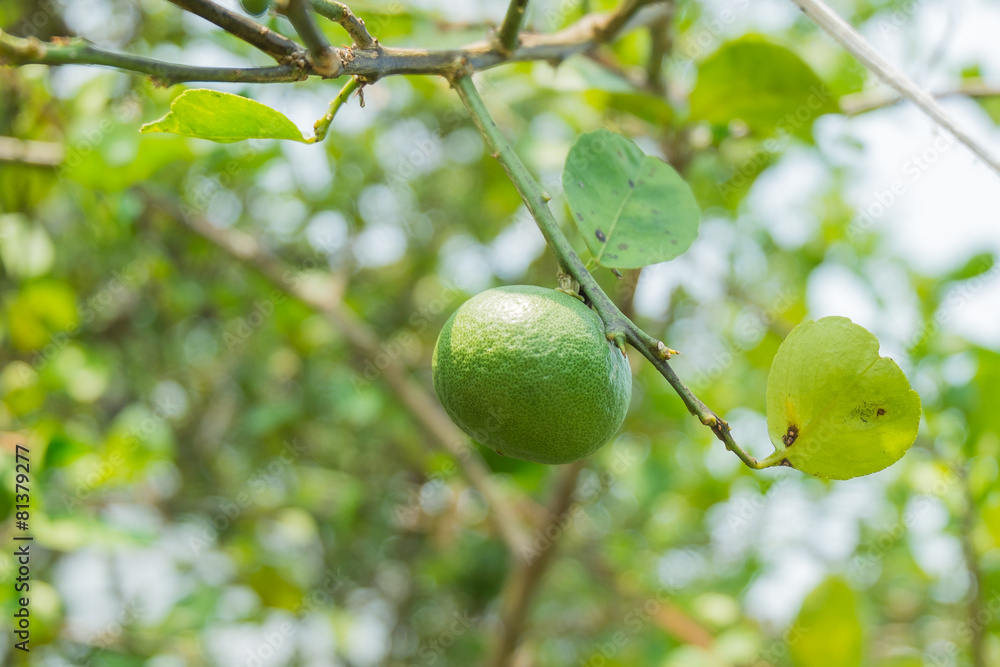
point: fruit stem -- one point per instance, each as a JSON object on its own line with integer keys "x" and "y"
{"x": 616, "y": 323}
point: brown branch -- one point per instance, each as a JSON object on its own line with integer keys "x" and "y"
{"x": 859, "y": 103}
{"x": 263, "y": 38}
{"x": 41, "y": 153}
{"x": 522, "y": 584}
{"x": 368, "y": 65}
{"x": 619, "y": 18}
{"x": 424, "y": 408}
{"x": 660, "y": 46}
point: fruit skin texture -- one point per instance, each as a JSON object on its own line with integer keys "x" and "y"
{"x": 529, "y": 372}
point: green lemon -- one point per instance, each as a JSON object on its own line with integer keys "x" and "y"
{"x": 529, "y": 372}
{"x": 254, "y": 7}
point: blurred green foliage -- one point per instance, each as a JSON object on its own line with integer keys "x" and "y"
{"x": 216, "y": 482}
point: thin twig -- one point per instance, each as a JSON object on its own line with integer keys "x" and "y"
{"x": 326, "y": 60}
{"x": 619, "y": 328}
{"x": 322, "y": 126}
{"x": 342, "y": 14}
{"x": 424, "y": 408}
{"x": 511, "y": 27}
{"x": 522, "y": 584}
{"x": 620, "y": 17}
{"x": 859, "y": 103}
{"x": 368, "y": 65}
{"x": 850, "y": 39}
{"x": 263, "y": 38}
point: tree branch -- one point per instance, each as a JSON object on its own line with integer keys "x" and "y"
{"x": 27, "y": 51}
{"x": 522, "y": 584}
{"x": 860, "y": 103}
{"x": 368, "y": 65}
{"x": 660, "y": 46}
{"x": 511, "y": 27}
{"x": 619, "y": 328}
{"x": 325, "y": 60}
{"x": 424, "y": 408}
{"x": 620, "y": 18}
{"x": 342, "y": 14}
{"x": 263, "y": 38}
{"x": 41, "y": 153}
{"x": 841, "y": 31}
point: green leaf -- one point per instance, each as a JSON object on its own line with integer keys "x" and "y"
{"x": 765, "y": 85}
{"x": 835, "y": 408}
{"x": 827, "y": 632}
{"x": 632, "y": 209}
{"x": 224, "y": 117}
{"x": 653, "y": 109}
{"x": 976, "y": 266}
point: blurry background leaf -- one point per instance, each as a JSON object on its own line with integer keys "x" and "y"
{"x": 827, "y": 632}
{"x": 762, "y": 84}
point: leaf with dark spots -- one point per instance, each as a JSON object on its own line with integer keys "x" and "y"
{"x": 633, "y": 197}
{"x": 835, "y": 408}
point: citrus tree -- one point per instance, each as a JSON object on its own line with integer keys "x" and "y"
{"x": 221, "y": 334}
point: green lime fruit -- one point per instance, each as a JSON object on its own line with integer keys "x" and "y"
{"x": 255, "y": 7}
{"x": 529, "y": 372}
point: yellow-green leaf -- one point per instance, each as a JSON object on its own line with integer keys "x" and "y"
{"x": 835, "y": 408}
{"x": 224, "y": 117}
